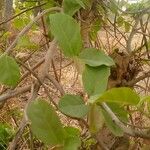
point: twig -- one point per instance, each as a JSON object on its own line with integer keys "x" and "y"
{"x": 128, "y": 130}
{"x": 13, "y": 93}
{"x": 56, "y": 84}
{"x": 26, "y": 28}
{"x": 134, "y": 81}
{"x": 20, "y": 14}
{"x": 35, "y": 88}
{"x": 133, "y": 32}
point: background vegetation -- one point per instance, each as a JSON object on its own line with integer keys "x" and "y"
{"x": 74, "y": 74}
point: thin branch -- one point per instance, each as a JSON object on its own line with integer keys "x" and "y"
{"x": 20, "y": 14}
{"x": 128, "y": 130}
{"x": 56, "y": 84}
{"x": 27, "y": 28}
{"x": 134, "y": 81}
{"x": 13, "y": 93}
{"x": 133, "y": 32}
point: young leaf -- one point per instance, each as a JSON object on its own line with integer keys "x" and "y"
{"x": 117, "y": 131}
{"x": 67, "y": 32}
{"x": 71, "y": 7}
{"x": 94, "y": 57}
{"x": 121, "y": 95}
{"x": 9, "y": 70}
{"x": 73, "y": 106}
{"x": 95, "y": 118}
{"x": 95, "y": 79}
{"x": 45, "y": 123}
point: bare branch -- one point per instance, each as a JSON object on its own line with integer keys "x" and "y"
{"x": 26, "y": 28}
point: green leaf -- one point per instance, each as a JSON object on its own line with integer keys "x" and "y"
{"x": 71, "y": 131}
{"x": 71, "y": 7}
{"x": 113, "y": 6}
{"x": 25, "y": 42}
{"x": 95, "y": 79}
{"x": 145, "y": 99}
{"x": 45, "y": 123}
{"x": 120, "y": 21}
{"x": 9, "y": 70}
{"x": 127, "y": 26}
{"x": 73, "y": 106}
{"x": 72, "y": 143}
{"x": 119, "y": 111}
{"x": 67, "y": 32}
{"x": 116, "y": 130}
{"x": 95, "y": 27}
{"x": 94, "y": 57}
{"x": 81, "y": 3}
{"x": 95, "y": 118}
{"x": 19, "y": 23}
{"x": 121, "y": 95}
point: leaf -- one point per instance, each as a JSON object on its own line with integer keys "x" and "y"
{"x": 113, "y": 6}
{"x": 71, "y": 131}
{"x": 120, "y": 21}
{"x": 71, "y": 7}
{"x": 19, "y": 23}
{"x": 25, "y": 42}
{"x": 94, "y": 57}
{"x": 81, "y": 3}
{"x": 119, "y": 111}
{"x": 67, "y": 32}
{"x": 73, "y": 106}
{"x": 95, "y": 27}
{"x": 72, "y": 143}
{"x": 121, "y": 95}
{"x": 116, "y": 130}
{"x": 9, "y": 70}
{"x": 45, "y": 123}
{"x": 95, "y": 118}
{"x": 95, "y": 79}
{"x": 127, "y": 26}
{"x": 145, "y": 99}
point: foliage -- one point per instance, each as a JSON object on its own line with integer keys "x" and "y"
{"x": 6, "y": 134}
{"x": 100, "y": 69}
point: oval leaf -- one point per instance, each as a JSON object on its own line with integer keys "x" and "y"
{"x": 121, "y": 95}
{"x": 95, "y": 79}
{"x": 95, "y": 119}
{"x": 94, "y": 57}
{"x": 116, "y": 130}
{"x": 73, "y": 106}
{"x": 9, "y": 71}
{"x": 67, "y": 32}
{"x": 45, "y": 123}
